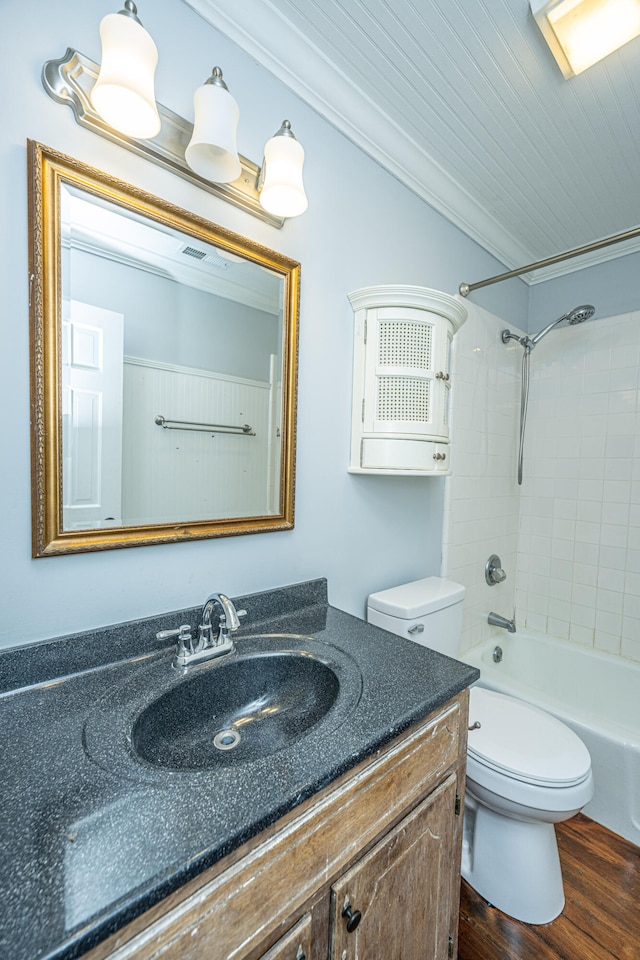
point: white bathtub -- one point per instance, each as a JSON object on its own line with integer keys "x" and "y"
{"x": 596, "y": 694}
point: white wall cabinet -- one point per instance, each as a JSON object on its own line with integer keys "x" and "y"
{"x": 401, "y": 379}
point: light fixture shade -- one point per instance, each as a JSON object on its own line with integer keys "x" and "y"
{"x": 212, "y": 152}
{"x": 581, "y": 32}
{"x": 282, "y": 192}
{"x": 123, "y": 94}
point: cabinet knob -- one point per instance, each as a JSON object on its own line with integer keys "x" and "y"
{"x": 353, "y": 917}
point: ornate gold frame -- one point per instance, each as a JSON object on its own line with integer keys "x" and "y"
{"x": 47, "y": 169}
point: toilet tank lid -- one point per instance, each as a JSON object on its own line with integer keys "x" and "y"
{"x": 415, "y": 599}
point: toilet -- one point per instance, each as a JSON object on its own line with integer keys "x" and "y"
{"x": 526, "y": 770}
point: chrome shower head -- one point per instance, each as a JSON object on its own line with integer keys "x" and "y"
{"x": 579, "y": 314}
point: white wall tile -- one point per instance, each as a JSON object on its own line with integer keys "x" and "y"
{"x": 611, "y": 601}
{"x": 630, "y": 648}
{"x": 558, "y": 628}
{"x": 613, "y": 535}
{"x": 580, "y": 634}
{"x": 607, "y": 642}
{"x": 612, "y": 579}
{"x": 609, "y": 622}
{"x": 572, "y": 530}
{"x": 617, "y": 513}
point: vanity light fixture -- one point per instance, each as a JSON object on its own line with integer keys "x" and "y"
{"x": 117, "y": 101}
{"x": 582, "y": 32}
{"x": 124, "y": 92}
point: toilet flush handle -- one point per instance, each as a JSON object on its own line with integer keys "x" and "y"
{"x": 475, "y": 726}
{"x": 416, "y": 628}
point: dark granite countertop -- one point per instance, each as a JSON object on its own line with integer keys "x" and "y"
{"x": 91, "y": 836}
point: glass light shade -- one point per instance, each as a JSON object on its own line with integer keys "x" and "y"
{"x": 123, "y": 94}
{"x": 582, "y": 32}
{"x": 283, "y": 190}
{"x": 212, "y": 152}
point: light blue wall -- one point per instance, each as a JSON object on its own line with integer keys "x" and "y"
{"x": 362, "y": 227}
{"x": 170, "y": 322}
{"x": 611, "y": 287}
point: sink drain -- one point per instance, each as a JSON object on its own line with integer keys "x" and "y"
{"x": 226, "y": 740}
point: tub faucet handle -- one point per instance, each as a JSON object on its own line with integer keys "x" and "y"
{"x": 493, "y": 572}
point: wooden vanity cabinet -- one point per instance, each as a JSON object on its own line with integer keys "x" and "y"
{"x": 383, "y": 841}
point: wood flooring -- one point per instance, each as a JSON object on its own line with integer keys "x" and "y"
{"x": 601, "y": 916}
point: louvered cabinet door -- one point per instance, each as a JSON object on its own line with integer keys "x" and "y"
{"x": 401, "y": 889}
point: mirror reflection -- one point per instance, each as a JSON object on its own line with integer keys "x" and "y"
{"x": 175, "y": 369}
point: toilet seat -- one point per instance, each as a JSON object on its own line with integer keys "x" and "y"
{"x": 521, "y": 742}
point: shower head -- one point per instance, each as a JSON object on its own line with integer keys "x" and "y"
{"x": 577, "y": 315}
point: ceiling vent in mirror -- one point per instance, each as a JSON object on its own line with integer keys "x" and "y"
{"x": 192, "y": 252}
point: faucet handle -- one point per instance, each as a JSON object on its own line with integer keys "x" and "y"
{"x": 183, "y": 633}
{"x": 493, "y": 572}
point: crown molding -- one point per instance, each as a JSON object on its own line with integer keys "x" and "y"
{"x": 262, "y": 32}
{"x": 273, "y": 41}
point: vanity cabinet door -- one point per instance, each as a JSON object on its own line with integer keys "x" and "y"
{"x": 401, "y": 888}
{"x": 295, "y": 945}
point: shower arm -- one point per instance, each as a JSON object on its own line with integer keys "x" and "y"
{"x": 541, "y": 333}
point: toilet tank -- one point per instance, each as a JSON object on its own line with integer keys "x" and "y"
{"x": 427, "y": 611}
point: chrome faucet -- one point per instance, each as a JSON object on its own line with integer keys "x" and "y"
{"x": 497, "y": 621}
{"x": 228, "y": 622}
{"x": 209, "y": 644}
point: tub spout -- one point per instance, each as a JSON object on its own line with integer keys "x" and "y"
{"x": 498, "y": 621}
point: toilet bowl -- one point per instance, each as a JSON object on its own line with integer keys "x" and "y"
{"x": 526, "y": 770}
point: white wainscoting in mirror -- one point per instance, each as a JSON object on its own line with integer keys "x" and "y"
{"x": 208, "y": 473}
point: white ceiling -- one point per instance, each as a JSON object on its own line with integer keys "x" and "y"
{"x": 464, "y": 103}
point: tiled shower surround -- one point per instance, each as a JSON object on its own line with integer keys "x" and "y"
{"x": 569, "y": 537}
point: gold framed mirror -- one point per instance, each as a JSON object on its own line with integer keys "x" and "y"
{"x": 163, "y": 368}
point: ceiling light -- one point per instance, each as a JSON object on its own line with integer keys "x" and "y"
{"x": 123, "y": 94}
{"x": 581, "y": 32}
